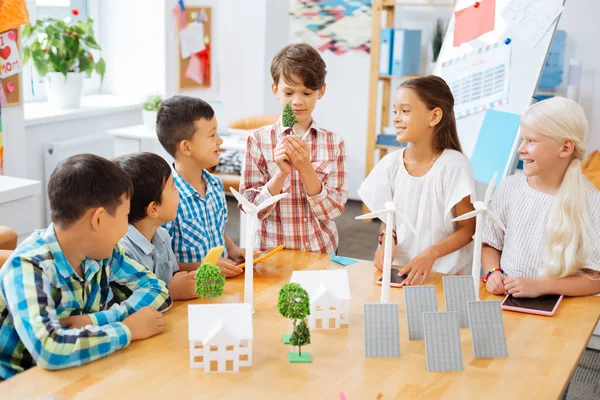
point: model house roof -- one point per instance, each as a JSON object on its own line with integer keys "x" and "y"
{"x": 316, "y": 282}
{"x": 207, "y": 320}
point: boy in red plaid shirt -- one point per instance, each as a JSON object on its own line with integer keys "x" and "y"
{"x": 304, "y": 160}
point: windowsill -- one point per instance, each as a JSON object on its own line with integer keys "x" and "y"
{"x": 38, "y": 113}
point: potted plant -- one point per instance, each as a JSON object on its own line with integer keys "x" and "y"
{"x": 209, "y": 281}
{"x": 62, "y": 52}
{"x": 436, "y": 43}
{"x": 150, "y": 109}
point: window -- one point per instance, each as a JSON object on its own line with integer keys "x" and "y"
{"x": 33, "y": 84}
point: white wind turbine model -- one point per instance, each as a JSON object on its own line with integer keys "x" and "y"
{"x": 252, "y": 212}
{"x": 389, "y": 211}
{"x": 481, "y": 208}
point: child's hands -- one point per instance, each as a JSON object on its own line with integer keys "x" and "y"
{"x": 76, "y": 321}
{"x": 522, "y": 287}
{"x": 144, "y": 323}
{"x": 378, "y": 261}
{"x": 282, "y": 160}
{"x": 495, "y": 283}
{"x": 183, "y": 286}
{"x": 237, "y": 254}
{"x": 298, "y": 152}
{"x": 228, "y": 267}
{"x": 418, "y": 268}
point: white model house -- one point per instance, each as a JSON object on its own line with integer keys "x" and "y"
{"x": 329, "y": 293}
{"x": 220, "y": 336}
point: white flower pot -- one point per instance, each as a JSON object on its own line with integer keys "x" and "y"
{"x": 64, "y": 92}
{"x": 149, "y": 119}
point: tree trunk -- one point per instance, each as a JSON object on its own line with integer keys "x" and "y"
{"x": 300, "y": 351}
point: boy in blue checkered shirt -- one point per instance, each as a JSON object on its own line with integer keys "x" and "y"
{"x": 187, "y": 129}
{"x": 68, "y": 294}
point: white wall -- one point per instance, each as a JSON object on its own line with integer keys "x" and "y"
{"x": 39, "y": 136}
{"x": 132, "y": 36}
{"x": 15, "y": 142}
{"x": 580, "y": 20}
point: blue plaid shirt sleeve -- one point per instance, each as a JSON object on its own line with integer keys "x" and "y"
{"x": 27, "y": 291}
{"x": 135, "y": 287}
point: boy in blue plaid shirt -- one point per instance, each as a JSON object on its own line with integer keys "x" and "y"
{"x": 56, "y": 287}
{"x": 187, "y": 129}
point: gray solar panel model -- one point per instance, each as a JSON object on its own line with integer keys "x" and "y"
{"x": 442, "y": 341}
{"x": 487, "y": 329}
{"x": 382, "y": 330}
{"x": 458, "y": 290}
{"x": 417, "y": 300}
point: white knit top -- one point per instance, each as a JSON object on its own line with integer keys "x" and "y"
{"x": 524, "y": 212}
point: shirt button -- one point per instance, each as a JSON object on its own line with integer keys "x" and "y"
{"x": 305, "y": 219}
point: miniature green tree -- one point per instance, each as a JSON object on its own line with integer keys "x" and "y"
{"x": 288, "y": 118}
{"x": 300, "y": 336}
{"x": 293, "y": 302}
{"x": 209, "y": 281}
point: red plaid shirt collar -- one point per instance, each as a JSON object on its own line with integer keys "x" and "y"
{"x": 282, "y": 131}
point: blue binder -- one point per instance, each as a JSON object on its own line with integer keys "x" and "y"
{"x": 385, "y": 51}
{"x": 406, "y": 57}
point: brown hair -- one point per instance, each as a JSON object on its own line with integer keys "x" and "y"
{"x": 82, "y": 182}
{"x": 175, "y": 120}
{"x": 435, "y": 93}
{"x": 301, "y": 60}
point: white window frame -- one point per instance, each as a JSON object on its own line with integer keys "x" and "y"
{"x": 92, "y": 85}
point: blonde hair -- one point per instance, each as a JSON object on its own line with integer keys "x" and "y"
{"x": 569, "y": 231}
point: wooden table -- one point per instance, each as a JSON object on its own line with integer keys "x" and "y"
{"x": 543, "y": 353}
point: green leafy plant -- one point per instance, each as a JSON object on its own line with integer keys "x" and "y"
{"x": 209, "y": 281}
{"x": 55, "y": 45}
{"x": 152, "y": 102}
{"x": 293, "y": 302}
{"x": 301, "y": 336}
{"x": 288, "y": 118}
{"x": 438, "y": 39}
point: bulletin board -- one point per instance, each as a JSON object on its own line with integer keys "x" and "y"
{"x": 11, "y": 85}
{"x": 480, "y": 130}
{"x": 194, "y": 72}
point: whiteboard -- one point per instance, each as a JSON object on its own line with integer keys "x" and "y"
{"x": 525, "y": 69}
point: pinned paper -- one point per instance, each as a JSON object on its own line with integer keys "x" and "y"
{"x": 345, "y": 261}
{"x": 493, "y": 150}
{"x": 10, "y": 87}
{"x": 180, "y": 17}
{"x": 191, "y": 39}
{"x": 194, "y": 70}
{"x": 529, "y": 20}
{"x": 9, "y": 55}
{"x": 472, "y": 22}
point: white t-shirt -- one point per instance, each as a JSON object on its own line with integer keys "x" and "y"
{"x": 427, "y": 202}
{"x": 524, "y": 212}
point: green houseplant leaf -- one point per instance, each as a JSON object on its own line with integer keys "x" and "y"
{"x": 63, "y": 46}
{"x": 152, "y": 102}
